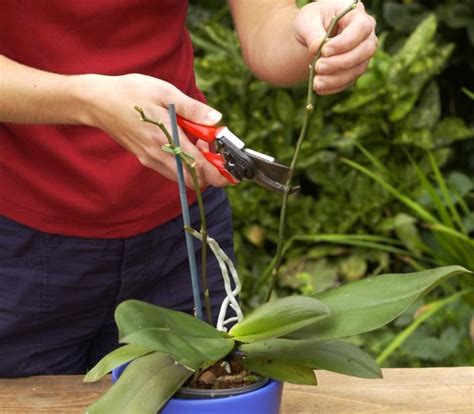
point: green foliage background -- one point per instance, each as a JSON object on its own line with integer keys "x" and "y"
{"x": 413, "y": 99}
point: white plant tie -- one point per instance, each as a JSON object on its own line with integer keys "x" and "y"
{"x": 225, "y": 264}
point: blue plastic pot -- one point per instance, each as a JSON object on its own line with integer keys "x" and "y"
{"x": 263, "y": 400}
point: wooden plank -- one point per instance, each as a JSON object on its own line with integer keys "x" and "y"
{"x": 426, "y": 390}
{"x": 49, "y": 394}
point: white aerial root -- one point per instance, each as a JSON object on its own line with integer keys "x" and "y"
{"x": 225, "y": 265}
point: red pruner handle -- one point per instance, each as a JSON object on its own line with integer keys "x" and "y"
{"x": 204, "y": 132}
{"x": 217, "y": 161}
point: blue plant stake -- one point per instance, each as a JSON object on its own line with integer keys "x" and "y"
{"x": 186, "y": 217}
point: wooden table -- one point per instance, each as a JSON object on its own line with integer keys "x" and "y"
{"x": 427, "y": 390}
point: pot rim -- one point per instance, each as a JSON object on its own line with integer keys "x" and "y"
{"x": 196, "y": 393}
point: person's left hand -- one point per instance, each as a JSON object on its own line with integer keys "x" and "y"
{"x": 346, "y": 56}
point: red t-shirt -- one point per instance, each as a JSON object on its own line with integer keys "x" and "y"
{"x": 76, "y": 180}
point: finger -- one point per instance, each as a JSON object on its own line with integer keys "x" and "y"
{"x": 207, "y": 173}
{"x": 361, "y": 53}
{"x": 339, "y": 80}
{"x": 202, "y": 145}
{"x": 150, "y": 154}
{"x": 165, "y": 165}
{"x": 310, "y": 30}
{"x": 190, "y": 108}
{"x": 160, "y": 160}
{"x": 358, "y": 27}
{"x": 333, "y": 91}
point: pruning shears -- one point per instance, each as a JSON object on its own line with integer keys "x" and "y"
{"x": 235, "y": 161}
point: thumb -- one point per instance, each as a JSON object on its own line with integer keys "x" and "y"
{"x": 309, "y": 27}
{"x": 192, "y": 109}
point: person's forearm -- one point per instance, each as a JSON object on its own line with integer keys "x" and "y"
{"x": 268, "y": 41}
{"x": 32, "y": 96}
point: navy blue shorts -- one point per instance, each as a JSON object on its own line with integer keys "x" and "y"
{"x": 58, "y": 293}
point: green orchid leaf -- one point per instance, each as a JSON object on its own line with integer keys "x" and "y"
{"x": 134, "y": 315}
{"x": 188, "y": 350}
{"x": 114, "y": 359}
{"x": 370, "y": 303}
{"x": 279, "y": 317}
{"x": 188, "y": 339}
{"x": 336, "y": 356}
{"x": 281, "y": 370}
{"x": 144, "y": 387}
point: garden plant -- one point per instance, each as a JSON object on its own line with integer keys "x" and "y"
{"x": 285, "y": 339}
{"x": 414, "y": 99}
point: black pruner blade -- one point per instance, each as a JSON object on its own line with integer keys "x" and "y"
{"x": 269, "y": 173}
{"x": 246, "y": 164}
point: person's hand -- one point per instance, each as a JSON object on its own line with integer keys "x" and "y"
{"x": 110, "y": 102}
{"x": 346, "y": 56}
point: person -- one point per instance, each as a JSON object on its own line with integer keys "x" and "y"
{"x": 89, "y": 206}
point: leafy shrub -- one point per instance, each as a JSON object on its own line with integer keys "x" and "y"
{"x": 396, "y": 107}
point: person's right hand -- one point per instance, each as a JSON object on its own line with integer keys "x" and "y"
{"x": 110, "y": 102}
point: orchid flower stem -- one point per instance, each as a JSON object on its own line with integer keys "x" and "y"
{"x": 188, "y": 161}
{"x": 203, "y": 232}
{"x": 310, "y": 98}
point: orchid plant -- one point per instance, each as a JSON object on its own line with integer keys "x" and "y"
{"x": 285, "y": 339}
